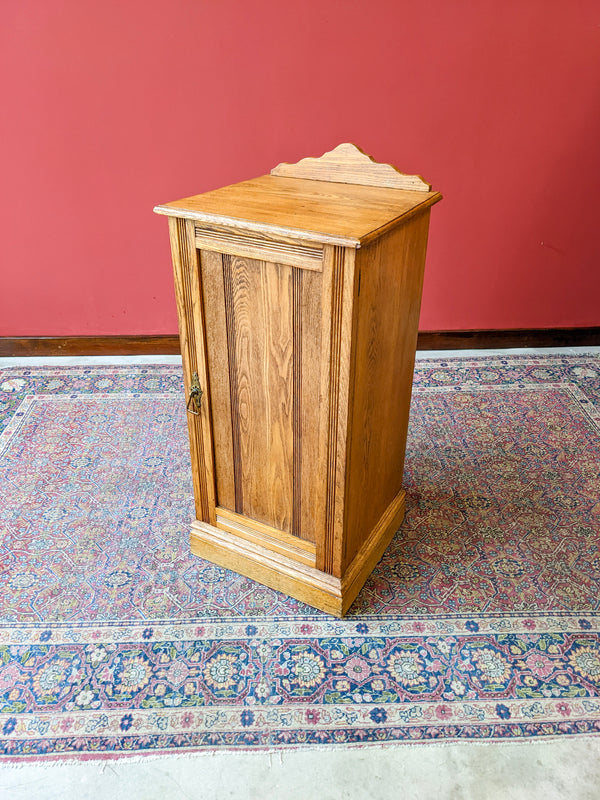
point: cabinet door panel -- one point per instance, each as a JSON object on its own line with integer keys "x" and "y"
{"x": 259, "y": 310}
{"x": 264, "y": 363}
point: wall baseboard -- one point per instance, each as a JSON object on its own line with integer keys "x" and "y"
{"x": 89, "y": 345}
{"x": 498, "y": 339}
{"x": 169, "y": 344}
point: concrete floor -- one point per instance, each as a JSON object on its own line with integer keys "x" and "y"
{"x": 542, "y": 770}
{"x": 549, "y": 770}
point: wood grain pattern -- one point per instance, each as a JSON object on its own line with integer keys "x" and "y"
{"x": 188, "y": 294}
{"x": 310, "y": 211}
{"x": 297, "y": 401}
{"x": 265, "y": 558}
{"x": 262, "y": 376}
{"x": 391, "y": 276}
{"x": 340, "y": 262}
{"x": 229, "y": 351}
{"x": 214, "y": 305}
{"x": 239, "y": 454}
{"x": 302, "y": 320}
{"x": 347, "y": 163}
{"x": 267, "y": 248}
{"x": 276, "y": 570}
{"x": 267, "y": 536}
{"x": 313, "y": 392}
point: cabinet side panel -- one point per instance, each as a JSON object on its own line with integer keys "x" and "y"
{"x": 218, "y": 371}
{"x": 391, "y": 280}
{"x": 261, "y": 365}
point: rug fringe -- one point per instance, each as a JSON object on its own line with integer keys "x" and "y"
{"x": 105, "y": 759}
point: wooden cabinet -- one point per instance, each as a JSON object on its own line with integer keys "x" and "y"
{"x": 298, "y": 296}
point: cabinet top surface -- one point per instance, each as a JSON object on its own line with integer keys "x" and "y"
{"x": 336, "y": 213}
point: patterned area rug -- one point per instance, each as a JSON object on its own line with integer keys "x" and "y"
{"x": 480, "y": 622}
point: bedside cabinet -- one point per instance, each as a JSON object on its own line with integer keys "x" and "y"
{"x": 298, "y": 295}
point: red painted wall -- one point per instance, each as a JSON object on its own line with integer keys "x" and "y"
{"x": 115, "y": 106}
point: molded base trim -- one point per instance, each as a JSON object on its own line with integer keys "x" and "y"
{"x": 266, "y": 536}
{"x": 285, "y": 574}
{"x": 272, "y": 569}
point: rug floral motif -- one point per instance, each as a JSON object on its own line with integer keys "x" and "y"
{"x": 480, "y": 622}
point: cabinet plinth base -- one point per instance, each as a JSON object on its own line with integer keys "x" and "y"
{"x": 278, "y": 571}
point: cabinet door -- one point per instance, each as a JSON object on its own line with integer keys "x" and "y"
{"x": 267, "y": 341}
